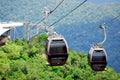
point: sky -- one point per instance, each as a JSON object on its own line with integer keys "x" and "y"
{"x": 101, "y": 1}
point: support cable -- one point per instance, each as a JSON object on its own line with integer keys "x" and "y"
{"x": 106, "y": 22}
{"x": 68, "y": 13}
{"x": 112, "y": 19}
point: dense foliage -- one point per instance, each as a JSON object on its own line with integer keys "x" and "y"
{"x": 20, "y": 60}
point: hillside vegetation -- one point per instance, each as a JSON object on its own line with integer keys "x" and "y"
{"x": 20, "y": 60}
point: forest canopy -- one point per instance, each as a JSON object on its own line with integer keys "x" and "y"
{"x": 20, "y": 60}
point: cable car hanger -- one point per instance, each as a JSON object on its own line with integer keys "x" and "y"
{"x": 105, "y": 35}
{"x": 99, "y": 44}
{"x": 49, "y": 30}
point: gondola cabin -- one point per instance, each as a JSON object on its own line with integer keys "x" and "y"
{"x": 3, "y": 39}
{"x": 56, "y": 50}
{"x": 97, "y": 58}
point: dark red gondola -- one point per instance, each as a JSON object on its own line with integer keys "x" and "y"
{"x": 97, "y": 58}
{"x": 56, "y": 50}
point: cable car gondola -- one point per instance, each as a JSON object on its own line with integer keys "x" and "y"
{"x": 56, "y": 50}
{"x": 97, "y": 55}
{"x": 4, "y": 38}
{"x": 97, "y": 58}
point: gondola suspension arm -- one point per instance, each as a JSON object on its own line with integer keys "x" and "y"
{"x": 105, "y": 35}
